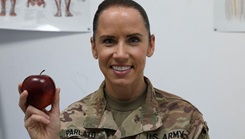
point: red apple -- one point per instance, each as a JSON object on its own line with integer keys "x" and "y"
{"x": 41, "y": 90}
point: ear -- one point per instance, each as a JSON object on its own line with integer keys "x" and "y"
{"x": 151, "y": 47}
{"x": 93, "y": 48}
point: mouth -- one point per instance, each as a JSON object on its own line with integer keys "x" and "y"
{"x": 121, "y": 68}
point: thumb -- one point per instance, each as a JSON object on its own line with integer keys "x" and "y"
{"x": 56, "y": 102}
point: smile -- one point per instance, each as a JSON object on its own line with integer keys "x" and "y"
{"x": 121, "y": 68}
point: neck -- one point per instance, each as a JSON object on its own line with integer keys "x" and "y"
{"x": 126, "y": 92}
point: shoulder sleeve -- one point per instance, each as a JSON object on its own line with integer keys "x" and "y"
{"x": 204, "y": 132}
{"x": 198, "y": 127}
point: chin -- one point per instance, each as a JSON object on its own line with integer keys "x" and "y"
{"x": 120, "y": 82}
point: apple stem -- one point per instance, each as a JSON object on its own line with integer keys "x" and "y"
{"x": 42, "y": 72}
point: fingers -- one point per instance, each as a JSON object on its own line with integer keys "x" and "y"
{"x": 20, "y": 88}
{"x": 56, "y": 102}
{"x": 22, "y": 100}
{"x": 33, "y": 116}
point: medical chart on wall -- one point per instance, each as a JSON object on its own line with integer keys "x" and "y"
{"x": 229, "y": 15}
{"x": 45, "y": 15}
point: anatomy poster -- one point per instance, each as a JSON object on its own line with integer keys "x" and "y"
{"x": 45, "y": 15}
{"x": 229, "y": 15}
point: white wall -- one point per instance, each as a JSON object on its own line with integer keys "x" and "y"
{"x": 191, "y": 60}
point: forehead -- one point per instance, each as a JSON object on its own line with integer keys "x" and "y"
{"x": 120, "y": 7}
{"x": 121, "y": 17}
{"x": 120, "y": 10}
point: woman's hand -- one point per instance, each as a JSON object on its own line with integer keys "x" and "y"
{"x": 41, "y": 124}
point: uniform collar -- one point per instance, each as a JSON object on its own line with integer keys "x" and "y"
{"x": 151, "y": 120}
{"x": 96, "y": 108}
{"x": 145, "y": 118}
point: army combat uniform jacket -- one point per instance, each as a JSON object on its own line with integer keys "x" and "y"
{"x": 162, "y": 116}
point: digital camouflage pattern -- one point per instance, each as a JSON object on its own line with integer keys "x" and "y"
{"x": 162, "y": 116}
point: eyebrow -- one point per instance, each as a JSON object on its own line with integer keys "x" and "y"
{"x": 135, "y": 34}
{"x": 107, "y": 36}
{"x": 111, "y": 36}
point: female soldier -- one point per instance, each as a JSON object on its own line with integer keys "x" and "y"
{"x": 126, "y": 105}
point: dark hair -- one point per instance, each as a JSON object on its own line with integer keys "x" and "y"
{"x": 123, "y": 3}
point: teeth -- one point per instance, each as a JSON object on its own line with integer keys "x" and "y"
{"x": 121, "y": 68}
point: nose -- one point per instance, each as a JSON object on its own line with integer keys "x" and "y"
{"x": 121, "y": 51}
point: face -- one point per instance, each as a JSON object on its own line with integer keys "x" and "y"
{"x": 121, "y": 46}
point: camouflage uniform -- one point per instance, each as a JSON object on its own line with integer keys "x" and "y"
{"x": 162, "y": 116}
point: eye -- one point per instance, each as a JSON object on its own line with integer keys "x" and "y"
{"x": 134, "y": 40}
{"x": 108, "y": 41}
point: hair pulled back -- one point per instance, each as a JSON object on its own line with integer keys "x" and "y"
{"x": 120, "y": 3}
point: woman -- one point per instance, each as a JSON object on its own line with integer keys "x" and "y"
{"x": 126, "y": 105}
